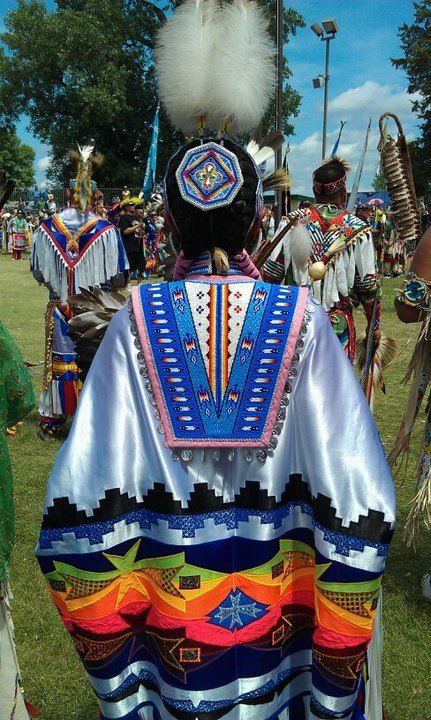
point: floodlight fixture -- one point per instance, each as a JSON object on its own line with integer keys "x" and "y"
{"x": 325, "y": 34}
{"x": 317, "y": 29}
{"x": 331, "y": 26}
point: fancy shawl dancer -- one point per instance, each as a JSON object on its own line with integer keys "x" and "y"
{"x": 71, "y": 250}
{"x": 333, "y": 249}
{"x": 217, "y": 551}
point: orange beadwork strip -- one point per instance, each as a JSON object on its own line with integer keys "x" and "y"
{"x": 212, "y": 340}
{"x": 72, "y": 244}
{"x": 225, "y": 337}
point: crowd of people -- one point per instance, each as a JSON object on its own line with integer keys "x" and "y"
{"x": 145, "y": 244}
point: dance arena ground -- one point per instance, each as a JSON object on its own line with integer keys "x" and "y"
{"x": 53, "y": 678}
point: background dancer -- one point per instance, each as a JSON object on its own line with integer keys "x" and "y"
{"x": 342, "y": 247}
{"x": 71, "y": 250}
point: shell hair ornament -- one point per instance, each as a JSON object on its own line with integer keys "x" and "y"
{"x": 215, "y": 69}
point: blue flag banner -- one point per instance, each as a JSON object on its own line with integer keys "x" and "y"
{"x": 335, "y": 148}
{"x": 150, "y": 172}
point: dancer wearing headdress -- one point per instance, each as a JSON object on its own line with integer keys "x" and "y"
{"x": 74, "y": 249}
{"x": 217, "y": 551}
{"x": 333, "y": 249}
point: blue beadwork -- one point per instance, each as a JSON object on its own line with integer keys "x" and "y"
{"x": 209, "y": 176}
{"x": 239, "y": 415}
{"x": 190, "y": 525}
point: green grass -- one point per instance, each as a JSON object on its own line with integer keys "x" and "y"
{"x": 54, "y": 679}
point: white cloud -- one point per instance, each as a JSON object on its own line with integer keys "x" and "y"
{"x": 375, "y": 99}
{"x": 355, "y": 106}
{"x": 305, "y": 156}
{"x": 43, "y": 163}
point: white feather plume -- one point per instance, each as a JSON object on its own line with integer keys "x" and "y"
{"x": 242, "y": 66}
{"x": 216, "y": 60}
{"x": 300, "y": 245}
{"x": 183, "y": 55}
{"x": 266, "y": 148}
{"x": 86, "y": 150}
{"x": 253, "y": 147}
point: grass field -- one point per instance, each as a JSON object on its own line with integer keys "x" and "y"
{"x": 52, "y": 674}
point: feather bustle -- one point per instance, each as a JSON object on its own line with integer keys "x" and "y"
{"x": 215, "y": 60}
{"x": 278, "y": 180}
{"x": 242, "y": 71}
{"x": 94, "y": 309}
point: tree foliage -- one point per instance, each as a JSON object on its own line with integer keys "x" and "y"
{"x": 421, "y": 165}
{"x": 86, "y": 70}
{"x": 416, "y": 46}
{"x": 16, "y": 158}
{"x": 379, "y": 182}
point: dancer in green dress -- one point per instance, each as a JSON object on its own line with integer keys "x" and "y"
{"x": 16, "y": 400}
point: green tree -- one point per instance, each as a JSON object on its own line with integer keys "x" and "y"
{"x": 16, "y": 158}
{"x": 416, "y": 62}
{"x": 379, "y": 182}
{"x": 416, "y": 45}
{"x": 86, "y": 70}
{"x": 421, "y": 165}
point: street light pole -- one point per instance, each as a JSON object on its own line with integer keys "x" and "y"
{"x": 279, "y": 103}
{"x": 326, "y": 34}
{"x": 326, "y": 97}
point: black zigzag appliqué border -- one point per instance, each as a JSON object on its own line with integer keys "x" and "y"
{"x": 371, "y": 527}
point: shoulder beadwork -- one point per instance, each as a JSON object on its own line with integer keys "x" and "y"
{"x": 218, "y": 357}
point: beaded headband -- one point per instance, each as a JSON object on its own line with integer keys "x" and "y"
{"x": 329, "y": 188}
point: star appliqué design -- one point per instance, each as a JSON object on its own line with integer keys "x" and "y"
{"x": 236, "y": 611}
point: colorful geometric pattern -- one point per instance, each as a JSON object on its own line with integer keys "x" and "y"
{"x": 218, "y": 355}
{"x": 323, "y": 234}
{"x": 179, "y": 622}
{"x": 72, "y": 247}
{"x": 209, "y": 176}
{"x": 250, "y": 501}
{"x": 330, "y": 188}
{"x": 237, "y": 610}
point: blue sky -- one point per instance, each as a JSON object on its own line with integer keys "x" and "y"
{"x": 363, "y": 82}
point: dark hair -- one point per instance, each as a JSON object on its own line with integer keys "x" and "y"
{"x": 225, "y": 227}
{"x": 329, "y": 172}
